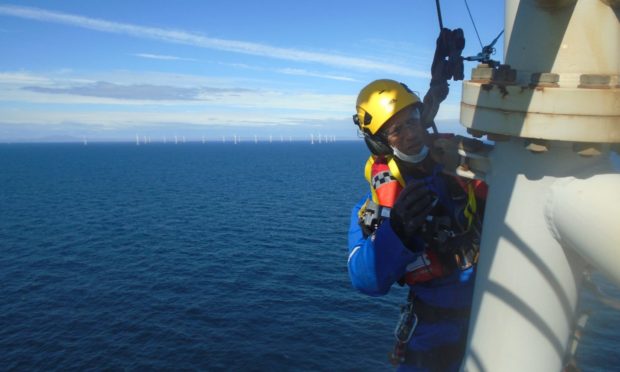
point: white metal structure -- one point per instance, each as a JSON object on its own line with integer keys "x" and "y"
{"x": 553, "y": 207}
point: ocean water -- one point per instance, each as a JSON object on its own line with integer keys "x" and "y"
{"x": 207, "y": 257}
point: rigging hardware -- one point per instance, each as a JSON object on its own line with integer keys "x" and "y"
{"x": 485, "y": 55}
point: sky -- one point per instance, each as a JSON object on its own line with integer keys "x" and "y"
{"x": 109, "y": 70}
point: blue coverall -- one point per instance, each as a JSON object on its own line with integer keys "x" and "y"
{"x": 376, "y": 262}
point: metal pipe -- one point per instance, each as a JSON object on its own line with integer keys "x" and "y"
{"x": 527, "y": 283}
{"x": 585, "y": 216}
{"x": 564, "y": 91}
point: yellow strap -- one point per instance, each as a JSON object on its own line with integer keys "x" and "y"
{"x": 368, "y": 167}
{"x": 395, "y": 171}
{"x": 368, "y": 175}
{"x": 470, "y": 207}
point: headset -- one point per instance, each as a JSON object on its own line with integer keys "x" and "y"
{"x": 377, "y": 145}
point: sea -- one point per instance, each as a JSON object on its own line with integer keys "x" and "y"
{"x": 214, "y": 257}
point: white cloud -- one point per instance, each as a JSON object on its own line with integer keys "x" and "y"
{"x": 188, "y": 38}
{"x": 401, "y": 52}
{"x": 182, "y": 91}
{"x": 301, "y": 72}
{"x": 292, "y": 71}
{"x": 120, "y": 119}
{"x": 127, "y": 77}
{"x": 129, "y": 92}
{"x": 21, "y": 78}
{"x": 161, "y": 57}
{"x": 143, "y": 92}
{"x": 167, "y": 98}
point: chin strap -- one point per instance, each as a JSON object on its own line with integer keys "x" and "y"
{"x": 414, "y": 159}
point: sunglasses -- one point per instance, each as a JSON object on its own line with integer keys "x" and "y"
{"x": 396, "y": 128}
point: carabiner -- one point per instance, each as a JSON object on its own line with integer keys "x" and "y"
{"x": 406, "y": 324}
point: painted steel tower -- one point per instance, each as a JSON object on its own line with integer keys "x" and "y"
{"x": 553, "y": 208}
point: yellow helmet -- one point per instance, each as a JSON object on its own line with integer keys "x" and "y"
{"x": 378, "y": 101}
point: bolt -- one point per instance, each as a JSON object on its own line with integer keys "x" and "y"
{"x": 545, "y": 79}
{"x": 476, "y": 133}
{"x": 587, "y": 149}
{"x": 483, "y": 72}
{"x": 505, "y": 74}
{"x": 594, "y": 81}
{"x": 537, "y": 146}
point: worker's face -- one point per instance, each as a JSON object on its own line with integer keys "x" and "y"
{"x": 405, "y": 132}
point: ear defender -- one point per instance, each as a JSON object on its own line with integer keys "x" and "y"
{"x": 376, "y": 146}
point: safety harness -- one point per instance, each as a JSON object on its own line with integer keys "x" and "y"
{"x": 451, "y": 245}
{"x": 439, "y": 258}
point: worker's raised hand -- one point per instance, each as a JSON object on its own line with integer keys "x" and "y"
{"x": 409, "y": 213}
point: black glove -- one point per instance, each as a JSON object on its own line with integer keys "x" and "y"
{"x": 450, "y": 44}
{"x": 456, "y": 45}
{"x": 409, "y": 213}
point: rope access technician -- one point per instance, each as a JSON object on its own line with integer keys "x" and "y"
{"x": 418, "y": 226}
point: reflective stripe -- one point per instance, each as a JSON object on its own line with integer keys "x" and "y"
{"x": 384, "y": 179}
{"x": 420, "y": 261}
{"x": 368, "y": 176}
{"x": 396, "y": 172}
{"x": 353, "y": 252}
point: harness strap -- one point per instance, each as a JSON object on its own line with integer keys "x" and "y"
{"x": 420, "y": 311}
{"x": 431, "y": 314}
{"x": 385, "y": 164}
{"x": 471, "y": 207}
{"x": 437, "y": 359}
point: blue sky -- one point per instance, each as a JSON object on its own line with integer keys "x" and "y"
{"x": 111, "y": 70}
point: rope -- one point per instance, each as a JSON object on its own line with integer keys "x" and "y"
{"x": 439, "y": 15}
{"x": 474, "y": 23}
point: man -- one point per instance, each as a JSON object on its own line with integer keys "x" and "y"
{"x": 418, "y": 226}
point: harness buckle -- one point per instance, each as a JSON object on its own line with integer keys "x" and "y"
{"x": 406, "y": 324}
{"x": 372, "y": 216}
{"x": 404, "y": 330}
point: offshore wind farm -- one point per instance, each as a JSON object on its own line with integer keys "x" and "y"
{"x": 233, "y": 139}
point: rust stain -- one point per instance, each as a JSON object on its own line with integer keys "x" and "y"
{"x": 503, "y": 90}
